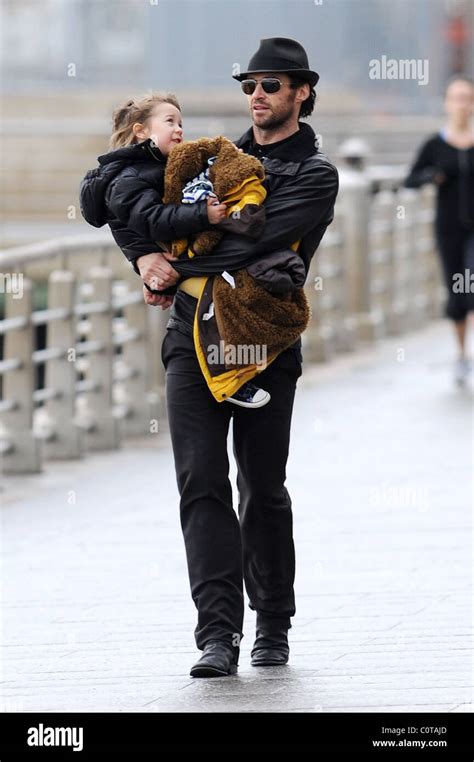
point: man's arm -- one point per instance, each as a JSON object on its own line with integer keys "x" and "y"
{"x": 140, "y": 249}
{"x": 300, "y": 204}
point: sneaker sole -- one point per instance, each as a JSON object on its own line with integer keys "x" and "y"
{"x": 249, "y": 404}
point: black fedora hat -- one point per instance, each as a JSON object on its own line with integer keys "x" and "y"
{"x": 280, "y": 54}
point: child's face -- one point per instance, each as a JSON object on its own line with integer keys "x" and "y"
{"x": 164, "y": 127}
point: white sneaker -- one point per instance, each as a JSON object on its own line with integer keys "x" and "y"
{"x": 462, "y": 370}
{"x": 250, "y": 395}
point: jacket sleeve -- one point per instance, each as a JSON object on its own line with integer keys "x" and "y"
{"x": 139, "y": 207}
{"x": 302, "y": 202}
{"x": 245, "y": 209}
{"x": 133, "y": 247}
{"x": 137, "y": 251}
{"x": 423, "y": 170}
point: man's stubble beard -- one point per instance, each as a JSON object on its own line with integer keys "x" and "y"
{"x": 275, "y": 121}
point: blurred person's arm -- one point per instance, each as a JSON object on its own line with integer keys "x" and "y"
{"x": 424, "y": 169}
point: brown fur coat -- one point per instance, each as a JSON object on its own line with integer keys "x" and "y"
{"x": 248, "y": 313}
{"x": 231, "y": 168}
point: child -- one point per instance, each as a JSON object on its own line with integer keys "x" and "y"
{"x": 127, "y": 191}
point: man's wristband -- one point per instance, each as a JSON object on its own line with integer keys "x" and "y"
{"x": 167, "y": 292}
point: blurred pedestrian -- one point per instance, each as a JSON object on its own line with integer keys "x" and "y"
{"x": 447, "y": 160}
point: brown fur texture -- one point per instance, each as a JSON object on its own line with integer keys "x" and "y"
{"x": 230, "y": 169}
{"x": 248, "y": 314}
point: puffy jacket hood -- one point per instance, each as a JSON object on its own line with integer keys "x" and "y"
{"x": 94, "y": 186}
{"x": 146, "y": 151}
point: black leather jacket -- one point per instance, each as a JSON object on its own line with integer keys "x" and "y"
{"x": 302, "y": 186}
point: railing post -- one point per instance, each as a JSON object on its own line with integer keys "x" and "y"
{"x": 102, "y": 431}
{"x": 435, "y": 292}
{"x": 21, "y": 450}
{"x": 330, "y": 329}
{"x": 60, "y": 373}
{"x": 138, "y": 355}
{"x": 381, "y": 247}
{"x": 157, "y": 320}
{"x": 405, "y": 258}
{"x": 354, "y": 201}
{"x": 420, "y": 276}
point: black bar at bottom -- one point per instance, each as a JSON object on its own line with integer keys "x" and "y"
{"x": 92, "y": 735}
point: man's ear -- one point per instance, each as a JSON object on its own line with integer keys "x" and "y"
{"x": 303, "y": 92}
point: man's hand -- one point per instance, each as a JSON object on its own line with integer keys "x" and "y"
{"x": 155, "y": 300}
{"x": 156, "y": 271}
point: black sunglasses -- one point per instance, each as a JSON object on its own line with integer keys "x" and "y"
{"x": 269, "y": 85}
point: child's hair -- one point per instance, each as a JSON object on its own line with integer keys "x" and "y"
{"x": 136, "y": 110}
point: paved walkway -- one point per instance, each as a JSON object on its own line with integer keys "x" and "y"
{"x": 96, "y": 609}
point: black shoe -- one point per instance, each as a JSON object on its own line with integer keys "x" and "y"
{"x": 250, "y": 395}
{"x": 218, "y": 659}
{"x": 271, "y": 647}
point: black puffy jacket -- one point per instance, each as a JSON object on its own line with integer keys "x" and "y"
{"x": 126, "y": 191}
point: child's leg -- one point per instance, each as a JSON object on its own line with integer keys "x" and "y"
{"x": 218, "y": 361}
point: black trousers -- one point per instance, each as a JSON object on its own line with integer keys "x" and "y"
{"x": 224, "y": 549}
{"x": 456, "y": 249}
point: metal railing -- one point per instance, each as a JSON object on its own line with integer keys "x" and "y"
{"x": 375, "y": 274}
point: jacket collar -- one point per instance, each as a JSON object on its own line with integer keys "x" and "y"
{"x": 296, "y": 148}
{"x": 145, "y": 151}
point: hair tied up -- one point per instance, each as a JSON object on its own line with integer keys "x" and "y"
{"x": 136, "y": 110}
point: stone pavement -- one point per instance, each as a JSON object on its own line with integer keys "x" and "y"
{"x": 96, "y": 610}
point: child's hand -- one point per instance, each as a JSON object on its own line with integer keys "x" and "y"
{"x": 216, "y": 212}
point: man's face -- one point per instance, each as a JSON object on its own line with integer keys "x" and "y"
{"x": 271, "y": 110}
